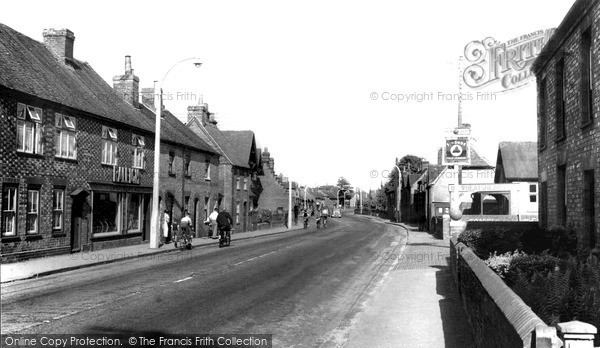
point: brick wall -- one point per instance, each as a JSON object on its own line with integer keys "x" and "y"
{"x": 580, "y": 149}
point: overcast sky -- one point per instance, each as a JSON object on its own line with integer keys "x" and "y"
{"x": 302, "y": 75}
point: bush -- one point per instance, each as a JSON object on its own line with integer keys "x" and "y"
{"x": 563, "y": 242}
{"x": 500, "y": 264}
{"x": 262, "y": 215}
{"x": 495, "y": 239}
{"x": 571, "y": 292}
{"x": 528, "y": 265}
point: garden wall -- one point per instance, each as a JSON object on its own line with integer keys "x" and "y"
{"x": 498, "y": 317}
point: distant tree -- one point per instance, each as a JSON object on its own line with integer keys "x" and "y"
{"x": 342, "y": 182}
{"x": 411, "y": 163}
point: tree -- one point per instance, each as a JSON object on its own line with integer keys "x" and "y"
{"x": 342, "y": 182}
{"x": 411, "y": 163}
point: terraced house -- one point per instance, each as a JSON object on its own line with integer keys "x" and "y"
{"x": 568, "y": 84}
{"x": 76, "y": 156}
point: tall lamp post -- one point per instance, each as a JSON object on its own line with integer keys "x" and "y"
{"x": 155, "y": 218}
{"x": 399, "y": 193}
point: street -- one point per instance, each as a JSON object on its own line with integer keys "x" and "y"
{"x": 305, "y": 287}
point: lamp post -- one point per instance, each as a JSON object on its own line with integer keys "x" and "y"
{"x": 155, "y": 220}
{"x": 289, "y": 221}
{"x": 399, "y": 193}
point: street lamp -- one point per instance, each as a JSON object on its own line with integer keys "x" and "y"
{"x": 155, "y": 220}
{"x": 399, "y": 193}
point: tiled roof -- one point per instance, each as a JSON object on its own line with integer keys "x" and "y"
{"x": 241, "y": 142}
{"x": 226, "y": 148}
{"x": 478, "y": 161}
{"x": 29, "y": 67}
{"x": 518, "y": 159}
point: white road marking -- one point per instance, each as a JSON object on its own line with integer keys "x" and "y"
{"x": 255, "y": 258}
{"x": 183, "y": 280}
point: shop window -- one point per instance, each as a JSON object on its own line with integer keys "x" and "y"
{"x": 109, "y": 146}
{"x": 66, "y": 139}
{"x": 58, "y": 203}
{"x": 29, "y": 129}
{"x": 9, "y": 211}
{"x": 139, "y": 143}
{"x": 33, "y": 211}
{"x": 134, "y": 205}
{"x": 105, "y": 212}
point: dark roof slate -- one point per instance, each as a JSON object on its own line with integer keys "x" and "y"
{"x": 519, "y": 160}
{"x": 29, "y": 67}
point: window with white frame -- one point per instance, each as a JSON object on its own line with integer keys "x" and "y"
{"x": 66, "y": 139}
{"x": 246, "y": 184}
{"x": 237, "y": 183}
{"x": 33, "y": 210}
{"x": 139, "y": 143}
{"x": 58, "y": 204}
{"x": 207, "y": 170}
{"x": 533, "y": 193}
{"x": 29, "y": 129}
{"x": 109, "y": 145}
{"x": 9, "y": 211}
{"x": 237, "y": 213}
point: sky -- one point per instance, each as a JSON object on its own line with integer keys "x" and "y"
{"x": 314, "y": 80}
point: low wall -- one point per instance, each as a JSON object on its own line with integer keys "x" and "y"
{"x": 498, "y": 317}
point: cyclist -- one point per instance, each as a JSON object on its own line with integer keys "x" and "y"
{"x": 224, "y": 222}
{"x": 186, "y": 226}
{"x": 324, "y": 215}
{"x": 305, "y": 216}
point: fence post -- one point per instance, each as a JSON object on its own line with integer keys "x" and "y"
{"x": 577, "y": 334}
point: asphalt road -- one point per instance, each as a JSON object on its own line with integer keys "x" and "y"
{"x": 305, "y": 287}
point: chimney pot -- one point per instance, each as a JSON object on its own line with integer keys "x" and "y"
{"x": 128, "y": 70}
{"x": 128, "y": 85}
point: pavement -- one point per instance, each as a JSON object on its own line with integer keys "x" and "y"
{"x": 418, "y": 305}
{"x": 39, "y": 267}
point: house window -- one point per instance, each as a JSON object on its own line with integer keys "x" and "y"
{"x": 587, "y": 78}
{"x": 65, "y": 140}
{"x": 561, "y": 92}
{"x": 171, "y": 160}
{"x": 206, "y": 208}
{"x": 29, "y": 129}
{"x": 9, "y": 211}
{"x": 246, "y": 184}
{"x": 33, "y": 211}
{"x": 109, "y": 146}
{"x": 207, "y": 170}
{"x": 542, "y": 111}
{"x": 186, "y": 165}
{"x": 589, "y": 210}
{"x": 139, "y": 143}
{"x": 533, "y": 193}
{"x": 237, "y": 183}
{"x": 237, "y": 213}
{"x": 58, "y": 203}
{"x": 186, "y": 203}
{"x": 561, "y": 197}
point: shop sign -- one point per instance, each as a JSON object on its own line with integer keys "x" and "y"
{"x": 126, "y": 175}
{"x": 457, "y": 151}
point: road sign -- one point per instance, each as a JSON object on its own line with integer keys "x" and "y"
{"x": 457, "y": 151}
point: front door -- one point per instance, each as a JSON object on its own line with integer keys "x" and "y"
{"x": 77, "y": 222}
{"x": 245, "y": 216}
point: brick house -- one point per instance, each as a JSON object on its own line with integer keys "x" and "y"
{"x": 275, "y": 189}
{"x": 568, "y": 84}
{"x": 76, "y": 158}
{"x": 238, "y": 164}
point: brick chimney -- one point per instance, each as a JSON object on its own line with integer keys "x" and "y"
{"x": 127, "y": 86}
{"x": 201, "y": 112}
{"x": 59, "y": 41}
{"x": 148, "y": 97}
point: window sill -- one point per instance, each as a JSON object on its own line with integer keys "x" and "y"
{"x": 207, "y": 179}
{"x": 586, "y": 126}
{"x": 30, "y": 155}
{"x": 33, "y": 237}
{"x": 64, "y": 159}
{"x": 59, "y": 234}
{"x": 108, "y": 164}
{"x": 188, "y": 176}
{"x": 172, "y": 175}
{"x": 11, "y": 239}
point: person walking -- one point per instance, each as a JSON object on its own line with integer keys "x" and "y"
{"x": 166, "y": 223}
{"x": 185, "y": 225}
{"x": 213, "y": 223}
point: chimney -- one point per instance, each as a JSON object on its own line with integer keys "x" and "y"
{"x": 59, "y": 41}
{"x": 127, "y": 86}
{"x": 195, "y": 111}
{"x": 148, "y": 97}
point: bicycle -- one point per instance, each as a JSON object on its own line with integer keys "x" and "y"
{"x": 225, "y": 237}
